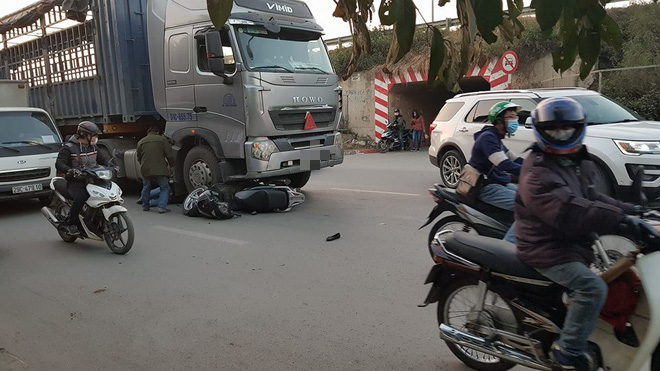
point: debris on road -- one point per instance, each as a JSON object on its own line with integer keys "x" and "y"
{"x": 333, "y": 237}
{"x": 101, "y": 290}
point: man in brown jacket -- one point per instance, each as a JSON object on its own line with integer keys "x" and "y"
{"x": 154, "y": 152}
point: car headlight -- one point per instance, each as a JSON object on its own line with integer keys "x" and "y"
{"x": 339, "y": 143}
{"x": 261, "y": 150}
{"x": 629, "y": 147}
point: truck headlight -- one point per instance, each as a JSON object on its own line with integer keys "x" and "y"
{"x": 339, "y": 143}
{"x": 261, "y": 150}
{"x": 629, "y": 147}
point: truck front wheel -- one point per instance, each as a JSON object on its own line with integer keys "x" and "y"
{"x": 200, "y": 168}
{"x": 299, "y": 180}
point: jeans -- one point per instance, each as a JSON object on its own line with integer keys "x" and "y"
{"x": 589, "y": 292}
{"x": 154, "y": 196}
{"x": 417, "y": 139}
{"x": 502, "y": 196}
{"x": 400, "y": 131}
{"x": 79, "y": 194}
{"x": 147, "y": 184}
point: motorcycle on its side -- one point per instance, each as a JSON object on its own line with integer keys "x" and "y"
{"x": 103, "y": 217}
{"x": 494, "y": 312}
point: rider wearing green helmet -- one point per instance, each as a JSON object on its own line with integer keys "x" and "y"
{"x": 491, "y": 158}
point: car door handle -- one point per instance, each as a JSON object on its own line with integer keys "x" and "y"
{"x": 199, "y": 109}
{"x": 463, "y": 129}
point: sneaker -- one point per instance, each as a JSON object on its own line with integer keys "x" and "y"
{"x": 567, "y": 361}
{"x": 163, "y": 210}
{"x": 71, "y": 229}
{"x": 139, "y": 201}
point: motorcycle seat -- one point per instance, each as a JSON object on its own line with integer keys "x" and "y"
{"x": 61, "y": 187}
{"x": 501, "y": 215}
{"x": 498, "y": 255}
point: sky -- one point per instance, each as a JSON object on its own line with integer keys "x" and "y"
{"x": 322, "y": 10}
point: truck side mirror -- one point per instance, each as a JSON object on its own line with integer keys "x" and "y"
{"x": 214, "y": 53}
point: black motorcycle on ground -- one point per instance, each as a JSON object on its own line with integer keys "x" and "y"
{"x": 390, "y": 139}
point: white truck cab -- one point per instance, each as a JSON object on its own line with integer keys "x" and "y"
{"x": 29, "y": 144}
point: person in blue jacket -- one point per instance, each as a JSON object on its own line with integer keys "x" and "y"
{"x": 499, "y": 165}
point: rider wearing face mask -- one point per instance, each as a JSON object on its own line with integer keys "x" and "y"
{"x": 80, "y": 152}
{"x": 557, "y": 211}
{"x": 491, "y": 157}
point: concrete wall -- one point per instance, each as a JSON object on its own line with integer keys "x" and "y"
{"x": 540, "y": 74}
{"x": 358, "y": 103}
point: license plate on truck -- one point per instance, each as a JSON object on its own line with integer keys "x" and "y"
{"x": 27, "y": 188}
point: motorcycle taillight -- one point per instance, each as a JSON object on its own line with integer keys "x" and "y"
{"x": 436, "y": 197}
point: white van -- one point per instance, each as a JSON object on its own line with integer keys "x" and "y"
{"x": 29, "y": 143}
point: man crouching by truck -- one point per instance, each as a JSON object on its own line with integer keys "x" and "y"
{"x": 80, "y": 152}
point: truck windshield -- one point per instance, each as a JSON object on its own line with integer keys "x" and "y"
{"x": 20, "y": 129}
{"x": 292, "y": 51}
{"x": 601, "y": 110}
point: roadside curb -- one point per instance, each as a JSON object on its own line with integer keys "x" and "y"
{"x": 360, "y": 151}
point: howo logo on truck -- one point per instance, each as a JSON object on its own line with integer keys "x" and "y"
{"x": 280, "y": 8}
{"x": 307, "y": 99}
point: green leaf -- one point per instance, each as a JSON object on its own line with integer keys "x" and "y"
{"x": 514, "y": 11}
{"x": 466, "y": 47}
{"x": 489, "y": 15}
{"x": 596, "y": 13}
{"x": 219, "y": 11}
{"x": 611, "y": 33}
{"x": 467, "y": 17}
{"x": 442, "y": 2}
{"x": 548, "y": 13}
{"x": 437, "y": 54}
{"x": 520, "y": 4}
{"x": 385, "y": 13}
{"x": 404, "y": 13}
{"x": 567, "y": 28}
{"x": 589, "y": 48}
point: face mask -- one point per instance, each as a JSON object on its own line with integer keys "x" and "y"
{"x": 512, "y": 126}
{"x": 94, "y": 141}
{"x": 560, "y": 134}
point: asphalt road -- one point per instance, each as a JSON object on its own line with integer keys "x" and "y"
{"x": 258, "y": 292}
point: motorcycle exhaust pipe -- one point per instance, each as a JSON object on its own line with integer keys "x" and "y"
{"x": 50, "y": 216}
{"x": 480, "y": 344}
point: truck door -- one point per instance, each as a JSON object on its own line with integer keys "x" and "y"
{"x": 179, "y": 76}
{"x": 220, "y": 106}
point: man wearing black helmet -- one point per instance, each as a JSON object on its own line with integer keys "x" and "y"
{"x": 557, "y": 211}
{"x": 80, "y": 152}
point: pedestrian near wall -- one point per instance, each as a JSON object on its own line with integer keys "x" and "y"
{"x": 418, "y": 128}
{"x": 155, "y": 155}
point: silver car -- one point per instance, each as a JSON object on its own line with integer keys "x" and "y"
{"x": 617, "y": 137}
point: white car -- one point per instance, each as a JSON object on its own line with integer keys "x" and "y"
{"x": 617, "y": 137}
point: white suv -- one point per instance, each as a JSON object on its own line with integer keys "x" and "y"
{"x": 618, "y": 138}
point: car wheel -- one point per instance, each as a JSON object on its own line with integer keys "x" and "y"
{"x": 602, "y": 182}
{"x": 451, "y": 164}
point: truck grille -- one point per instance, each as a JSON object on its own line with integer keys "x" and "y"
{"x": 17, "y": 176}
{"x": 295, "y": 119}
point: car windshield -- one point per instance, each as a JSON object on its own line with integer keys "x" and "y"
{"x": 20, "y": 129}
{"x": 601, "y": 110}
{"x": 291, "y": 51}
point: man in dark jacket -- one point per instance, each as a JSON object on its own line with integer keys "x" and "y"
{"x": 491, "y": 157}
{"x": 557, "y": 211}
{"x": 400, "y": 125}
{"x": 80, "y": 152}
{"x": 154, "y": 152}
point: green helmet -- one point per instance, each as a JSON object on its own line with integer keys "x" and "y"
{"x": 498, "y": 108}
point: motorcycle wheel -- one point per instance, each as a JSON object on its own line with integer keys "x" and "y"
{"x": 451, "y": 223}
{"x": 383, "y": 146}
{"x": 190, "y": 203}
{"x": 453, "y": 308}
{"x": 61, "y": 212}
{"x": 119, "y": 233}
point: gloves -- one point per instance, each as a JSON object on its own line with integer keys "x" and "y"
{"x": 73, "y": 173}
{"x": 632, "y": 225}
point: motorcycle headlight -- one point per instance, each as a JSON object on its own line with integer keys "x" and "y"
{"x": 629, "y": 147}
{"x": 104, "y": 174}
{"x": 263, "y": 149}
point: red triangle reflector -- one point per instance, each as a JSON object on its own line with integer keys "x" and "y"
{"x": 309, "y": 122}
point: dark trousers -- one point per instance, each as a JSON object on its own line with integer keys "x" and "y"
{"x": 78, "y": 191}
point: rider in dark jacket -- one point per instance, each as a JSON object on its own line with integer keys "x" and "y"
{"x": 80, "y": 152}
{"x": 557, "y": 211}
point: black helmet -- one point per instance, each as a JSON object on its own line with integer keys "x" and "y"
{"x": 86, "y": 128}
{"x": 559, "y": 125}
{"x": 211, "y": 204}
